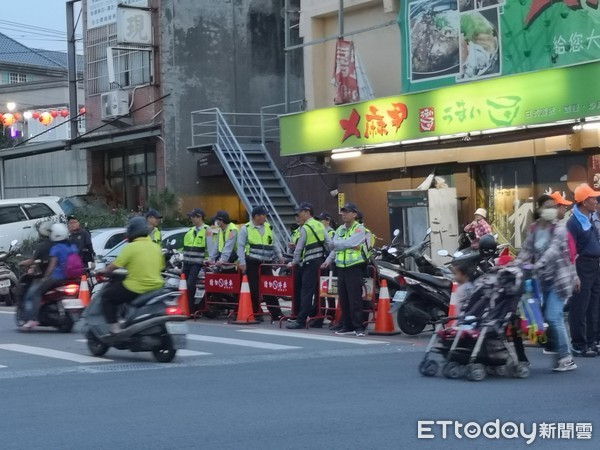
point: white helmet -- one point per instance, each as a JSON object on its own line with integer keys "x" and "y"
{"x": 59, "y": 232}
{"x": 44, "y": 228}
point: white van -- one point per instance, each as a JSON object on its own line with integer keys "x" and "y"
{"x": 19, "y": 216}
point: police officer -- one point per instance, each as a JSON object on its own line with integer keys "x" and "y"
{"x": 82, "y": 239}
{"x": 196, "y": 248}
{"x": 227, "y": 237}
{"x": 256, "y": 245}
{"x": 350, "y": 264}
{"x": 152, "y": 218}
{"x": 309, "y": 254}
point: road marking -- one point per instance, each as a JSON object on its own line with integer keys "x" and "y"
{"x": 185, "y": 352}
{"x": 317, "y": 337}
{"x": 3, "y": 367}
{"x": 51, "y": 353}
{"x": 7, "y": 312}
{"x": 240, "y": 342}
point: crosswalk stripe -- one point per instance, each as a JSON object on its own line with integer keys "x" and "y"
{"x": 51, "y": 353}
{"x": 317, "y": 337}
{"x": 240, "y": 342}
{"x": 2, "y": 367}
{"x": 185, "y": 352}
{"x": 7, "y": 312}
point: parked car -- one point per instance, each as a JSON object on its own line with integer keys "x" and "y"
{"x": 19, "y": 217}
{"x": 167, "y": 235}
{"x": 103, "y": 239}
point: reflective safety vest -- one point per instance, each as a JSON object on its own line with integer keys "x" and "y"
{"x": 295, "y": 235}
{"x": 369, "y": 243}
{"x": 350, "y": 256}
{"x": 194, "y": 245}
{"x": 224, "y": 235}
{"x": 155, "y": 236}
{"x": 315, "y": 238}
{"x": 259, "y": 247}
{"x": 331, "y": 232}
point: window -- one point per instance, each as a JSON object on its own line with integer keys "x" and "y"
{"x": 14, "y": 78}
{"x": 38, "y": 210}
{"x": 114, "y": 240}
{"x": 11, "y": 214}
{"x": 132, "y": 177}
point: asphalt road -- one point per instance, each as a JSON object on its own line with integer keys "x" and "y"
{"x": 265, "y": 388}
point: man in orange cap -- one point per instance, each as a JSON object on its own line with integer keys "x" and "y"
{"x": 585, "y": 302}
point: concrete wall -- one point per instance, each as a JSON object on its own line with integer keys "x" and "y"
{"x": 223, "y": 54}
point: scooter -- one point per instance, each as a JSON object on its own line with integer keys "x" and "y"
{"x": 10, "y": 287}
{"x": 60, "y": 306}
{"x": 150, "y": 323}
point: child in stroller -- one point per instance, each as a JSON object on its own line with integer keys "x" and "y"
{"x": 478, "y": 343}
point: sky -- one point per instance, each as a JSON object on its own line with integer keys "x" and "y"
{"x": 38, "y": 23}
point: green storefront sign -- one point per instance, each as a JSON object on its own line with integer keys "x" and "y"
{"x": 516, "y": 101}
{"x": 445, "y": 42}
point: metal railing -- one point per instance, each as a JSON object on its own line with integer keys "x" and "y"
{"x": 269, "y": 118}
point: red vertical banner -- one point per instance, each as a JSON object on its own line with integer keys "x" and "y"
{"x": 344, "y": 73}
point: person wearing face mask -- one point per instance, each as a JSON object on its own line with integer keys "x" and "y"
{"x": 547, "y": 248}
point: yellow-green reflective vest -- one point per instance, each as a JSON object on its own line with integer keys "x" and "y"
{"x": 257, "y": 246}
{"x": 194, "y": 245}
{"x": 155, "y": 236}
{"x": 315, "y": 238}
{"x": 350, "y": 256}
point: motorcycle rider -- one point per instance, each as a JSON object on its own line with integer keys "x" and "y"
{"x": 42, "y": 250}
{"x": 83, "y": 240}
{"x": 479, "y": 227}
{"x": 53, "y": 276}
{"x": 144, "y": 262}
{"x": 153, "y": 217}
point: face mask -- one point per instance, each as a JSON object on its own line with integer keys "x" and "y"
{"x": 549, "y": 214}
{"x": 216, "y": 224}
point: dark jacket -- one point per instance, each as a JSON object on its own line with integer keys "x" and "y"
{"x": 83, "y": 242}
{"x": 42, "y": 252}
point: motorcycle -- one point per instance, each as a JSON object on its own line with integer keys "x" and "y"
{"x": 10, "y": 287}
{"x": 151, "y": 323}
{"x": 60, "y": 306}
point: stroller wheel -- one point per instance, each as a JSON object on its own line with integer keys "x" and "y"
{"x": 428, "y": 367}
{"x": 521, "y": 371}
{"x": 475, "y": 372}
{"x": 452, "y": 370}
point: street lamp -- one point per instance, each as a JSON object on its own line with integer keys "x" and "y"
{"x": 11, "y": 106}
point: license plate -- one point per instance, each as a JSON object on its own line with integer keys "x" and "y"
{"x": 199, "y": 293}
{"x": 399, "y": 296}
{"x": 177, "y": 328}
{"x": 4, "y": 283}
{"x": 72, "y": 303}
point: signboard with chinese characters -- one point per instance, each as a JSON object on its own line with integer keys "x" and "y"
{"x": 526, "y": 99}
{"x": 104, "y": 12}
{"x": 452, "y": 41}
{"x": 134, "y": 26}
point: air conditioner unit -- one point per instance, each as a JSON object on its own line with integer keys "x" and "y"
{"x": 114, "y": 104}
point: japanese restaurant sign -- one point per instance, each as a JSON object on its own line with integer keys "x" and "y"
{"x": 446, "y": 42}
{"x": 526, "y": 99}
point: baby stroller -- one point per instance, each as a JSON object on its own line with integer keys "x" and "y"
{"x": 478, "y": 344}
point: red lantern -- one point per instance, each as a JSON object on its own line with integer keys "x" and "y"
{"x": 64, "y": 112}
{"x": 18, "y": 116}
{"x": 35, "y": 115}
{"x": 46, "y": 118}
{"x": 8, "y": 119}
{"x": 82, "y": 110}
{"x": 53, "y": 114}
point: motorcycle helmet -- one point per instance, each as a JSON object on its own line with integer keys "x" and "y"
{"x": 58, "y": 232}
{"x": 487, "y": 245}
{"x": 43, "y": 229}
{"x": 136, "y": 227}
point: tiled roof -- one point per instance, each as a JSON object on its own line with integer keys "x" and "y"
{"x": 13, "y": 52}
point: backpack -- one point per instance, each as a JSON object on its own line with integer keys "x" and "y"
{"x": 74, "y": 264}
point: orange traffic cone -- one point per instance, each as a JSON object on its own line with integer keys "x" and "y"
{"x": 84, "y": 291}
{"x": 384, "y": 324}
{"x": 183, "y": 297}
{"x": 454, "y": 306}
{"x": 338, "y": 314}
{"x": 245, "y": 315}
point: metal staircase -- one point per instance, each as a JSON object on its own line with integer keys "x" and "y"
{"x": 248, "y": 165}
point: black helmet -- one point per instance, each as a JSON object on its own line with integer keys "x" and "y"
{"x": 487, "y": 245}
{"x": 136, "y": 227}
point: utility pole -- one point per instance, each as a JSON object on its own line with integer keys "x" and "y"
{"x": 72, "y": 69}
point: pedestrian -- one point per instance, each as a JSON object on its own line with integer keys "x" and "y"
{"x": 309, "y": 255}
{"x": 547, "y": 248}
{"x": 583, "y": 306}
{"x": 478, "y": 227}
{"x": 153, "y": 218}
{"x": 82, "y": 239}
{"x": 257, "y": 245}
{"x": 350, "y": 264}
{"x": 227, "y": 237}
{"x": 196, "y": 248}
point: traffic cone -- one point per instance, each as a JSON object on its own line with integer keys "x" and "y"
{"x": 84, "y": 291}
{"x": 384, "y": 324}
{"x": 338, "y": 314}
{"x": 245, "y": 315}
{"x": 454, "y": 306}
{"x": 183, "y": 297}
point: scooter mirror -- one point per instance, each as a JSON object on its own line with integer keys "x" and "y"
{"x": 458, "y": 254}
{"x": 428, "y": 232}
{"x": 396, "y": 232}
{"x": 14, "y": 242}
{"x": 392, "y": 250}
{"x": 172, "y": 242}
{"x": 443, "y": 253}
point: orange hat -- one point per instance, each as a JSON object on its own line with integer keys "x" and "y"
{"x": 559, "y": 200}
{"x": 583, "y": 192}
